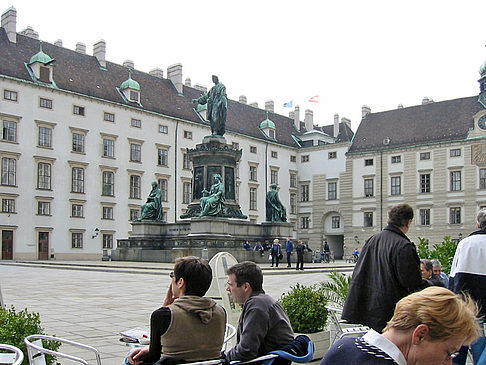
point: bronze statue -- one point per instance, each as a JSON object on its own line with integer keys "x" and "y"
{"x": 217, "y": 106}
{"x": 152, "y": 209}
{"x": 274, "y": 208}
{"x": 212, "y": 203}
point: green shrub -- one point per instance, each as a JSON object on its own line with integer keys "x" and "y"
{"x": 306, "y": 308}
{"x": 15, "y": 326}
{"x": 443, "y": 251}
{"x": 336, "y": 289}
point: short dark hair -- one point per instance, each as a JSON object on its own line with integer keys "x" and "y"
{"x": 400, "y": 214}
{"x": 247, "y": 272}
{"x": 428, "y": 264}
{"x": 196, "y": 273}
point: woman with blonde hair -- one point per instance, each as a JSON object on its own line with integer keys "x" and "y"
{"x": 428, "y": 327}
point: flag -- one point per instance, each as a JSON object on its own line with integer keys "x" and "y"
{"x": 314, "y": 99}
{"x": 289, "y": 104}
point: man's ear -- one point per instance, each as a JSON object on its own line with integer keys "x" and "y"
{"x": 181, "y": 283}
{"x": 420, "y": 333}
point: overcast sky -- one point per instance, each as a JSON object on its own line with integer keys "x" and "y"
{"x": 349, "y": 53}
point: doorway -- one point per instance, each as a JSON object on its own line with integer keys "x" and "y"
{"x": 7, "y": 245}
{"x": 43, "y": 252}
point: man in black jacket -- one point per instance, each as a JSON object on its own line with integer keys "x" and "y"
{"x": 388, "y": 269}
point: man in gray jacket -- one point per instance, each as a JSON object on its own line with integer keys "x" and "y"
{"x": 263, "y": 326}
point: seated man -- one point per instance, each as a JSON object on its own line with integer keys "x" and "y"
{"x": 188, "y": 326}
{"x": 263, "y": 326}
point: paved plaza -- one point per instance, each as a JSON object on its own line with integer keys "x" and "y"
{"x": 93, "y": 304}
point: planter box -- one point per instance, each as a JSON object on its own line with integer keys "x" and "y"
{"x": 321, "y": 343}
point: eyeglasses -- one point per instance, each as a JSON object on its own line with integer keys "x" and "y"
{"x": 451, "y": 356}
{"x": 171, "y": 274}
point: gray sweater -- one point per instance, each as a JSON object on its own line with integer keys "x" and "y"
{"x": 263, "y": 327}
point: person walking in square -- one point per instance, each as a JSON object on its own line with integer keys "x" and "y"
{"x": 299, "y": 249}
{"x": 289, "y": 249}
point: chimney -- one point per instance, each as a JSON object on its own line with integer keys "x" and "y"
{"x": 188, "y": 81}
{"x": 269, "y": 106}
{"x": 157, "y": 72}
{"x": 309, "y": 120}
{"x": 129, "y": 64}
{"x": 99, "y": 51}
{"x": 200, "y": 87}
{"x": 291, "y": 114}
{"x": 9, "y": 23}
{"x": 243, "y": 99}
{"x": 255, "y": 104}
{"x": 80, "y": 48}
{"x": 400, "y": 106}
{"x": 335, "y": 131}
{"x": 365, "y": 110}
{"x": 346, "y": 121}
{"x": 297, "y": 117}
{"x": 174, "y": 74}
{"x": 426, "y": 100}
{"x": 30, "y": 32}
{"x": 58, "y": 43}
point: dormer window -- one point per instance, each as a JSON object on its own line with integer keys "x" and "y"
{"x": 130, "y": 89}
{"x": 40, "y": 67}
{"x": 134, "y": 96}
{"x": 45, "y": 74}
{"x": 268, "y": 128}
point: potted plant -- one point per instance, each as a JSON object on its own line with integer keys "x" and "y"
{"x": 306, "y": 308}
{"x": 336, "y": 289}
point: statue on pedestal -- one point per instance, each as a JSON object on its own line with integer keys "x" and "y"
{"x": 217, "y": 106}
{"x": 152, "y": 209}
{"x": 212, "y": 203}
{"x": 275, "y": 210}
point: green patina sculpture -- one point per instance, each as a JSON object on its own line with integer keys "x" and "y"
{"x": 217, "y": 106}
{"x": 212, "y": 203}
{"x": 152, "y": 209}
{"x": 274, "y": 208}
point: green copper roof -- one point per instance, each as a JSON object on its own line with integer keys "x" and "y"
{"x": 267, "y": 123}
{"x": 482, "y": 69}
{"x": 41, "y": 57}
{"x": 130, "y": 84}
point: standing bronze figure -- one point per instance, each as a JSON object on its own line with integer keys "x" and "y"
{"x": 217, "y": 106}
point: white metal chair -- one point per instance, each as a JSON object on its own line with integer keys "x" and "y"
{"x": 36, "y": 351}
{"x": 228, "y": 335}
{"x": 341, "y": 328}
{"x": 15, "y": 357}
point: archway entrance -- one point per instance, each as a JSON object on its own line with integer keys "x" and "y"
{"x": 333, "y": 232}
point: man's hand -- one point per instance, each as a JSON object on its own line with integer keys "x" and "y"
{"x": 169, "y": 298}
{"x": 137, "y": 355}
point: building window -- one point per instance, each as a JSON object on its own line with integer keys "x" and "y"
{"x": 455, "y": 180}
{"x": 76, "y": 240}
{"x": 368, "y": 162}
{"x": 253, "y": 149}
{"x": 304, "y": 222}
{"x": 162, "y": 157}
{"x": 9, "y": 131}
{"x": 107, "y": 212}
{"x": 424, "y": 217}
{"x": 137, "y": 123}
{"x": 135, "y": 182}
{"x": 304, "y": 158}
{"x": 10, "y": 95}
{"x": 44, "y": 75}
{"x": 108, "y": 148}
{"x": 293, "y": 180}
{"x": 108, "y": 183}
{"x": 163, "y": 129}
{"x": 332, "y": 190}
{"x": 9, "y": 171}
{"x": 253, "y": 173}
{"x": 425, "y": 183}
{"x": 396, "y": 159}
{"x": 253, "y": 199}
{"x": 273, "y": 176}
{"x": 77, "y": 211}
{"x": 368, "y": 187}
{"x": 455, "y": 152}
{"x": 455, "y": 215}
{"x": 77, "y": 183}
{"x": 78, "y": 142}
{"x": 108, "y": 117}
{"x": 482, "y": 178}
{"x": 45, "y": 103}
{"x": 304, "y": 193}
{"x": 293, "y": 203}
{"x": 163, "y": 186}
{"x": 274, "y": 154}
{"x": 188, "y": 134}
{"x": 78, "y": 110}
{"x": 425, "y": 155}
{"x": 134, "y": 96}
{"x": 44, "y": 176}
{"x": 107, "y": 241}
{"x": 293, "y": 158}
{"x": 8, "y": 205}
{"x": 134, "y": 214}
{"x": 332, "y": 155}
{"x": 135, "y": 152}
{"x": 396, "y": 185}
{"x": 235, "y": 145}
{"x": 186, "y": 162}
{"x": 43, "y": 208}
{"x": 335, "y": 221}
{"x": 368, "y": 219}
{"x": 45, "y": 137}
{"x": 186, "y": 192}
